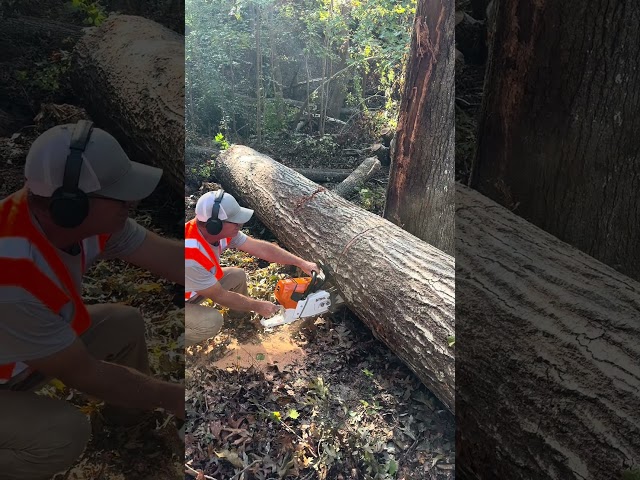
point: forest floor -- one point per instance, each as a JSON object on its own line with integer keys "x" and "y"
{"x": 34, "y": 96}
{"x": 316, "y": 399}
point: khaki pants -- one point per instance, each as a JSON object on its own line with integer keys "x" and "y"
{"x": 202, "y": 323}
{"x": 41, "y": 436}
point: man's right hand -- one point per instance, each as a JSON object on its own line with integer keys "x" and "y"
{"x": 115, "y": 384}
{"x": 266, "y": 309}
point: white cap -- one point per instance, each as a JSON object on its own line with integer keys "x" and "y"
{"x": 106, "y": 168}
{"x": 230, "y": 210}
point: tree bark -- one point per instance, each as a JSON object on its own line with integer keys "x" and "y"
{"x": 547, "y": 353}
{"x": 358, "y": 177}
{"x": 130, "y": 71}
{"x": 401, "y": 287}
{"x": 196, "y": 154}
{"x": 325, "y": 175}
{"x": 30, "y": 30}
{"x": 423, "y": 162}
{"x": 558, "y": 138}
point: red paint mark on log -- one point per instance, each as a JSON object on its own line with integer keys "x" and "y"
{"x": 306, "y": 199}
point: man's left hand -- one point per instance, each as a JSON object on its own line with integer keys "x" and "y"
{"x": 308, "y": 267}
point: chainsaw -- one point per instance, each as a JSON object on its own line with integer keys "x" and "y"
{"x": 301, "y": 298}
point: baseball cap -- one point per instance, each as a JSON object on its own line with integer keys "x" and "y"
{"x": 106, "y": 169}
{"x": 230, "y": 210}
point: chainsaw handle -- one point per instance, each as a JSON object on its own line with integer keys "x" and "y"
{"x": 313, "y": 285}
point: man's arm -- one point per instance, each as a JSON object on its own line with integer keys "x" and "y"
{"x": 237, "y": 301}
{"x": 275, "y": 254}
{"x": 115, "y": 384}
{"x": 163, "y": 257}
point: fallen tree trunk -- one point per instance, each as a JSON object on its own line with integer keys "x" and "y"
{"x": 401, "y": 287}
{"x": 547, "y": 353}
{"x": 324, "y": 175}
{"x": 358, "y": 177}
{"x": 195, "y": 154}
{"x": 130, "y": 71}
{"x": 32, "y": 30}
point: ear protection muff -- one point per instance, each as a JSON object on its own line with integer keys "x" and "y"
{"x": 214, "y": 224}
{"x": 69, "y": 205}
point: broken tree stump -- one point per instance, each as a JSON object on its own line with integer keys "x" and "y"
{"x": 358, "y": 177}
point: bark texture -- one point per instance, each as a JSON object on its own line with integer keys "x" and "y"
{"x": 401, "y": 287}
{"x": 547, "y": 353}
{"x": 358, "y": 178}
{"x": 30, "y": 30}
{"x": 197, "y": 155}
{"x": 420, "y": 194}
{"x": 324, "y": 175}
{"x": 558, "y": 138}
{"x": 130, "y": 71}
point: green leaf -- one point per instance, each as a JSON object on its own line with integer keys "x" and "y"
{"x": 451, "y": 340}
{"x": 368, "y": 373}
{"x": 259, "y": 356}
{"x": 631, "y": 474}
{"x": 392, "y": 469}
{"x": 293, "y": 414}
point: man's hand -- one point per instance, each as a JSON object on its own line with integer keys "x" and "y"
{"x": 308, "y": 267}
{"x": 178, "y": 408}
{"x": 275, "y": 254}
{"x": 238, "y": 302}
{"x": 161, "y": 256}
{"x": 115, "y": 384}
{"x": 266, "y": 309}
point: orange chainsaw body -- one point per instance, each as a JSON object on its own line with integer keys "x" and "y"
{"x": 290, "y": 290}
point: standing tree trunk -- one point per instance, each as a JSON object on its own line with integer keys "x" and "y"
{"x": 420, "y": 195}
{"x": 558, "y": 139}
{"x": 276, "y": 70}
{"x": 258, "y": 39}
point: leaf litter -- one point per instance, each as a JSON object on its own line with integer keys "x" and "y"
{"x": 342, "y": 407}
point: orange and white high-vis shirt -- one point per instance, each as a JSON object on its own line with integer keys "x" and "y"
{"x": 197, "y": 251}
{"x": 32, "y": 271}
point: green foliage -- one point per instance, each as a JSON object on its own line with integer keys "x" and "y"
{"x": 221, "y": 141}
{"x": 94, "y": 13}
{"x": 47, "y": 76}
{"x": 631, "y": 474}
{"x": 368, "y": 41}
{"x": 373, "y": 200}
{"x": 451, "y": 340}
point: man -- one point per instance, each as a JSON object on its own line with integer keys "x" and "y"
{"x": 215, "y": 228}
{"x": 73, "y": 210}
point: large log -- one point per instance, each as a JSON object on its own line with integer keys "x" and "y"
{"x": 130, "y": 71}
{"x": 401, "y": 287}
{"x": 195, "y": 154}
{"x": 358, "y": 177}
{"x": 28, "y": 30}
{"x": 324, "y": 175}
{"x": 547, "y": 353}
